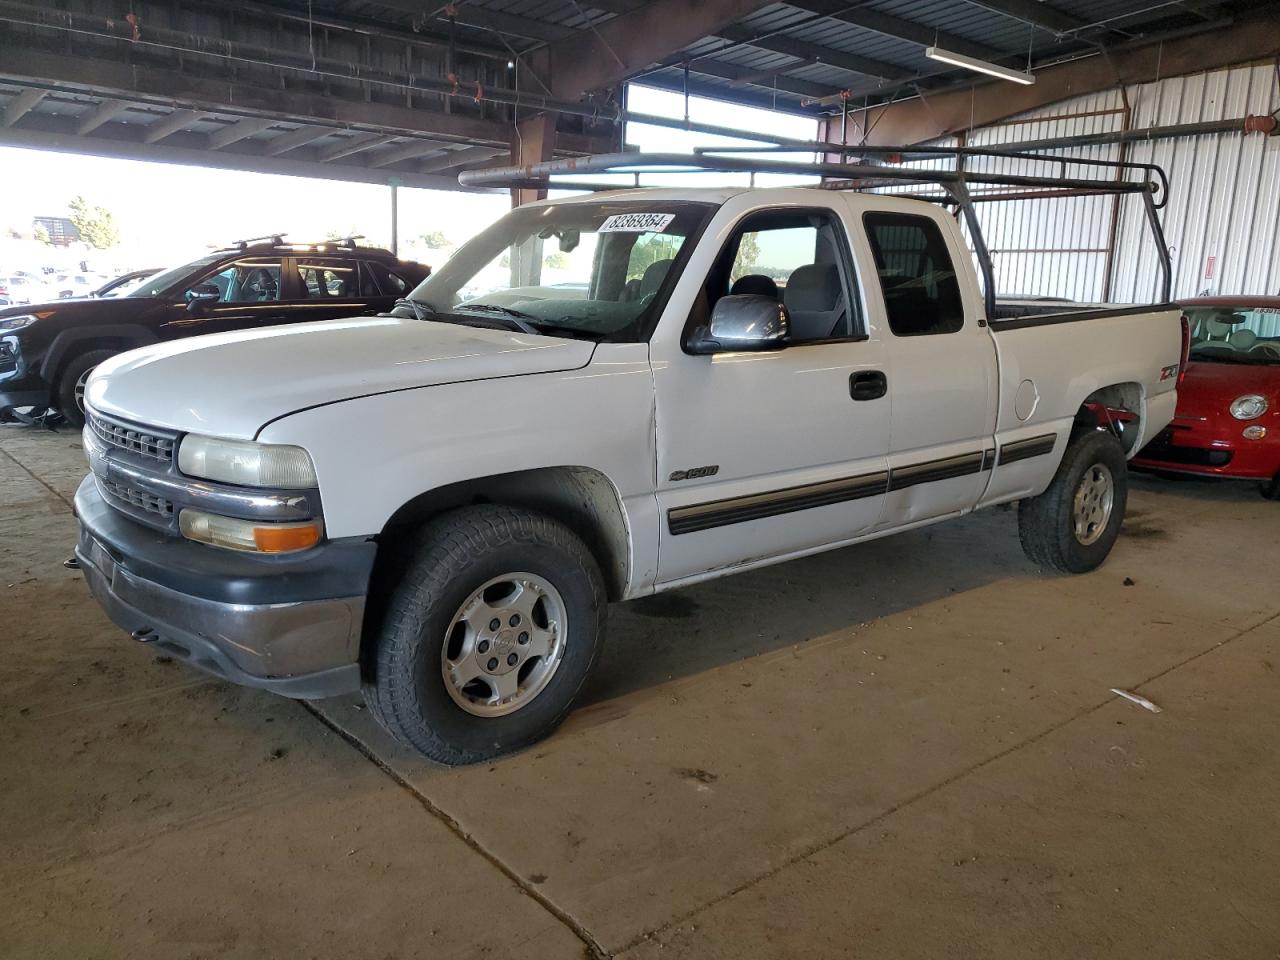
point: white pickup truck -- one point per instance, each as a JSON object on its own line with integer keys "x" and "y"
{"x": 596, "y": 399}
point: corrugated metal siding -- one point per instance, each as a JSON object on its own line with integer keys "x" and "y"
{"x": 1223, "y": 201}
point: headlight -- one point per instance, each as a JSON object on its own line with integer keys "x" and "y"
{"x": 1249, "y": 407}
{"x": 246, "y": 463}
{"x": 10, "y": 324}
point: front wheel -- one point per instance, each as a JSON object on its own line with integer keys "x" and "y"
{"x": 69, "y": 393}
{"x": 1072, "y": 526}
{"x": 488, "y": 637}
{"x": 1270, "y": 489}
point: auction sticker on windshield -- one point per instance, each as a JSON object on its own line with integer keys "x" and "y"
{"x": 637, "y": 223}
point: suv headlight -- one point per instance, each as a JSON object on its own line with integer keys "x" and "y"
{"x": 246, "y": 463}
{"x": 10, "y": 324}
{"x": 1249, "y": 407}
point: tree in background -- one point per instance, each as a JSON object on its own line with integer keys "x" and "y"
{"x": 557, "y": 260}
{"x": 436, "y": 240}
{"x": 96, "y": 225}
{"x": 748, "y": 256}
{"x": 40, "y": 233}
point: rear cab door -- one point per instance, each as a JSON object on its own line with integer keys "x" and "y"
{"x": 926, "y": 306}
{"x": 331, "y": 287}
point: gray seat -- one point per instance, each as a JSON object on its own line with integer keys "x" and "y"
{"x": 652, "y": 279}
{"x": 815, "y": 300}
{"x": 756, "y": 284}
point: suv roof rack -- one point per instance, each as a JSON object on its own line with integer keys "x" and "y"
{"x": 276, "y": 242}
{"x": 946, "y": 186}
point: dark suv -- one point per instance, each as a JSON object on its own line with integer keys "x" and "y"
{"x": 47, "y": 351}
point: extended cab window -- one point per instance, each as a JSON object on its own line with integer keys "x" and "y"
{"x": 921, "y": 290}
{"x": 798, "y": 257}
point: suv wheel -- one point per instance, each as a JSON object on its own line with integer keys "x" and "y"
{"x": 69, "y": 393}
{"x": 1072, "y": 526}
{"x": 489, "y": 635}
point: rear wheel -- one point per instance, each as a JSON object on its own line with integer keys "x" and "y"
{"x": 69, "y": 393}
{"x": 1072, "y": 526}
{"x": 488, "y": 637}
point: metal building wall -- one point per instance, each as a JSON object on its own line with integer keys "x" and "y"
{"x": 1224, "y": 198}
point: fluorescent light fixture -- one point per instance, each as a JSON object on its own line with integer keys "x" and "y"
{"x": 982, "y": 66}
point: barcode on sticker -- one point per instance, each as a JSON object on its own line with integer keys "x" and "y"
{"x": 637, "y": 223}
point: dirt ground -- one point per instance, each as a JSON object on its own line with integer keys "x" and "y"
{"x": 904, "y": 749}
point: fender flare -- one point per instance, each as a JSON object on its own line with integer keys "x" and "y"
{"x": 64, "y": 343}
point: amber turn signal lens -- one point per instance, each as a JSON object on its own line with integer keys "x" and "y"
{"x": 285, "y": 538}
{"x": 1256, "y": 432}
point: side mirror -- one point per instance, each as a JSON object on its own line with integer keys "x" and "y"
{"x": 743, "y": 322}
{"x": 201, "y": 296}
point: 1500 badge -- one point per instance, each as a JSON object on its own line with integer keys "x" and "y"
{"x": 695, "y": 473}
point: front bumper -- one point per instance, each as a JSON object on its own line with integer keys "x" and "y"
{"x": 1212, "y": 449}
{"x": 288, "y": 624}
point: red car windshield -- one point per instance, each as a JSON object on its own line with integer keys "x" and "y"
{"x": 1235, "y": 335}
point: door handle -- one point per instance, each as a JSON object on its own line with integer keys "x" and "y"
{"x": 868, "y": 385}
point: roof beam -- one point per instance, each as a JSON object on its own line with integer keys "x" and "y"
{"x": 769, "y": 79}
{"x": 294, "y": 139}
{"x": 1035, "y": 13}
{"x": 1255, "y": 37}
{"x": 353, "y": 145}
{"x": 862, "y": 66}
{"x": 240, "y": 130}
{"x": 613, "y": 51}
{"x": 898, "y": 28}
{"x": 99, "y": 115}
{"x": 21, "y": 105}
{"x": 167, "y": 126}
{"x": 156, "y": 85}
{"x": 457, "y": 158}
{"x": 407, "y": 151}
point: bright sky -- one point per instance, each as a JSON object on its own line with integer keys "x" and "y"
{"x": 169, "y": 213}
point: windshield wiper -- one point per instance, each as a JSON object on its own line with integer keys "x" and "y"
{"x": 518, "y": 318}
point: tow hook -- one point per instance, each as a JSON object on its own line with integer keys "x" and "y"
{"x": 144, "y": 635}
{"x": 71, "y": 563}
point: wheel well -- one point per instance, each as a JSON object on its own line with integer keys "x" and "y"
{"x": 81, "y": 347}
{"x": 1118, "y": 408}
{"x": 583, "y": 499}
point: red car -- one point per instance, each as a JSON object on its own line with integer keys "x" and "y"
{"x": 1228, "y": 419}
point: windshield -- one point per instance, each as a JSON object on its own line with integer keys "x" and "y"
{"x": 579, "y": 269}
{"x": 1235, "y": 335}
{"x": 156, "y": 284}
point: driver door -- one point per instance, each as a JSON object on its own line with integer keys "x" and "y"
{"x": 776, "y": 452}
{"x": 250, "y": 296}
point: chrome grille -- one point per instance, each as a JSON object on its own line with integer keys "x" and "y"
{"x": 140, "y": 499}
{"x": 133, "y": 439}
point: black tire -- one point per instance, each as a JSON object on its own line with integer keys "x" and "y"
{"x": 1046, "y": 524}
{"x": 459, "y": 552}
{"x": 65, "y": 392}
{"x": 1270, "y": 489}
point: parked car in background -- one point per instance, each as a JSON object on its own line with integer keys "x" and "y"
{"x": 126, "y": 282}
{"x": 1228, "y": 419}
{"x": 47, "y": 351}
{"x": 24, "y": 288}
{"x": 71, "y": 285}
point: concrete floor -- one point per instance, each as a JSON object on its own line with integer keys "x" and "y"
{"x": 906, "y": 748}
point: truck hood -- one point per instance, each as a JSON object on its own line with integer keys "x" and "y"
{"x": 232, "y": 384}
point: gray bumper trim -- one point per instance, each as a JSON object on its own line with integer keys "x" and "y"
{"x": 304, "y": 649}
